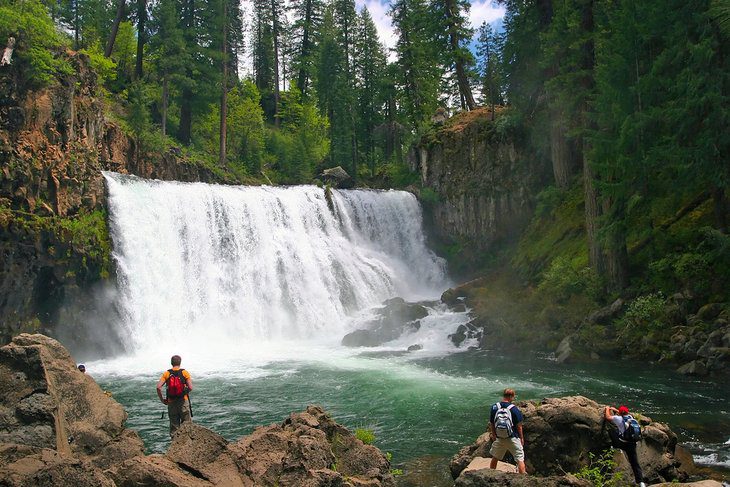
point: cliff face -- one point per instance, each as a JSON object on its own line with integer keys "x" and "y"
{"x": 54, "y": 243}
{"x": 482, "y": 185}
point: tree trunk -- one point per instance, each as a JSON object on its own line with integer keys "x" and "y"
{"x": 141, "y": 36}
{"x": 115, "y": 28}
{"x": 562, "y": 154}
{"x": 275, "y": 35}
{"x": 76, "y": 24}
{"x": 164, "y": 104}
{"x": 8, "y": 52}
{"x": 461, "y": 77}
{"x": 616, "y": 254}
{"x": 305, "y": 48}
{"x": 186, "y": 117}
{"x": 592, "y": 213}
{"x": 224, "y": 89}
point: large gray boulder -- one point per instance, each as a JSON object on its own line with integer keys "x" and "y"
{"x": 562, "y": 433}
{"x": 394, "y": 319}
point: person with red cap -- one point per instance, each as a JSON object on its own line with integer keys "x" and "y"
{"x": 618, "y": 438}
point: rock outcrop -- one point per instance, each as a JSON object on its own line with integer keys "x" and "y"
{"x": 55, "y": 422}
{"x": 393, "y": 320}
{"x": 485, "y": 187}
{"x": 562, "y": 433}
{"x": 54, "y": 144}
{"x": 57, "y": 427}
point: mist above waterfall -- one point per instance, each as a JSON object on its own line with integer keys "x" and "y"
{"x": 234, "y": 267}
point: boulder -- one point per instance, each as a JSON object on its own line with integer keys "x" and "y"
{"x": 59, "y": 417}
{"x": 710, "y": 311}
{"x": 338, "y": 177}
{"x": 57, "y": 427}
{"x": 309, "y": 449}
{"x": 454, "y": 296}
{"x": 468, "y": 331}
{"x": 606, "y": 314}
{"x": 695, "y": 367}
{"x": 561, "y": 433}
{"x": 394, "y": 319}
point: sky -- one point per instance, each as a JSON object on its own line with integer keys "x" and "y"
{"x": 481, "y": 11}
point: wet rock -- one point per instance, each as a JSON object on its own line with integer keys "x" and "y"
{"x": 695, "y": 367}
{"x": 393, "y": 320}
{"x": 455, "y": 296}
{"x": 415, "y": 348}
{"x": 154, "y": 470}
{"x": 338, "y": 177}
{"x": 560, "y": 433}
{"x": 469, "y": 331}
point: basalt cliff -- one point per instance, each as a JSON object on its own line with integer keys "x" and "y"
{"x": 55, "y": 247}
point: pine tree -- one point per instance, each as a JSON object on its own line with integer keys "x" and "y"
{"x": 489, "y": 50}
{"x": 370, "y": 67}
{"x": 458, "y": 58}
{"x": 417, "y": 48}
{"x": 307, "y": 22}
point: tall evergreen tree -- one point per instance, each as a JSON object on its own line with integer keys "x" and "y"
{"x": 307, "y": 15}
{"x": 489, "y": 50}
{"x": 370, "y": 67}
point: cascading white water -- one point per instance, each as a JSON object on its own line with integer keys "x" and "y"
{"x": 233, "y": 266}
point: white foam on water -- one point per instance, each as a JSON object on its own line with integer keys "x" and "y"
{"x": 239, "y": 277}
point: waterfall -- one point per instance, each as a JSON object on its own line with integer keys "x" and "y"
{"x": 245, "y": 264}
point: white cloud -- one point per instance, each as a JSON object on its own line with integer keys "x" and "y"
{"x": 481, "y": 11}
{"x": 484, "y": 11}
{"x": 379, "y": 12}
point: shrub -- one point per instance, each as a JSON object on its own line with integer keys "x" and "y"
{"x": 367, "y": 436}
{"x": 643, "y": 314}
{"x": 566, "y": 277}
{"x": 600, "y": 470}
{"x": 36, "y": 40}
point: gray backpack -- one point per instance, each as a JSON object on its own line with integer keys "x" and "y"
{"x": 503, "y": 421}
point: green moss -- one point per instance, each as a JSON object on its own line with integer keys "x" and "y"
{"x": 556, "y": 231}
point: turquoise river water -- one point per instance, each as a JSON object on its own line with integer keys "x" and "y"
{"x": 423, "y": 410}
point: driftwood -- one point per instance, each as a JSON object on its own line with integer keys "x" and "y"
{"x": 8, "y": 52}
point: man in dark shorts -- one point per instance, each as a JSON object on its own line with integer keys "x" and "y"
{"x": 178, "y": 406}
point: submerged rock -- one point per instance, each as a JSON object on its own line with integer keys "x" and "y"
{"x": 561, "y": 433}
{"x": 57, "y": 427}
{"x": 396, "y": 318}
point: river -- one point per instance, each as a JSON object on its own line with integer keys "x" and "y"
{"x": 255, "y": 288}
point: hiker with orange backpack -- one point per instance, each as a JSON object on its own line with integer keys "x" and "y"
{"x": 178, "y": 384}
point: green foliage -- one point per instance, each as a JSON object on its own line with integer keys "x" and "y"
{"x": 643, "y": 314}
{"x": 37, "y": 57}
{"x": 88, "y": 235}
{"x": 367, "y": 436}
{"x": 399, "y": 175}
{"x": 601, "y": 470}
{"x": 104, "y": 67}
{"x": 567, "y": 276}
{"x": 429, "y": 197}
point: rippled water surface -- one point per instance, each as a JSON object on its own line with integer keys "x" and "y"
{"x": 428, "y": 407}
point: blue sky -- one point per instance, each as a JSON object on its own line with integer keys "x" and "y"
{"x": 481, "y": 11}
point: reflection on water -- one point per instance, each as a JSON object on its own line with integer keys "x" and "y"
{"x": 423, "y": 410}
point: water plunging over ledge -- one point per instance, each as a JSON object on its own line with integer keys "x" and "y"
{"x": 255, "y": 288}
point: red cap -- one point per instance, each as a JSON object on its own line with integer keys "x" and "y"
{"x": 623, "y": 410}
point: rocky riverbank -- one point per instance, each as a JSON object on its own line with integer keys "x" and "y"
{"x": 57, "y": 427}
{"x": 564, "y": 436}
{"x": 690, "y": 336}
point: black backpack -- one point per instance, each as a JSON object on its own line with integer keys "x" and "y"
{"x": 176, "y": 384}
{"x": 632, "y": 429}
